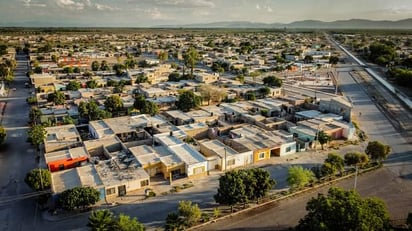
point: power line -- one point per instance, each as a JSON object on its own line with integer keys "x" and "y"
{"x": 9, "y": 199}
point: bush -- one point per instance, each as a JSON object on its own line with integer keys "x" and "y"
{"x": 205, "y": 217}
{"x": 151, "y": 194}
{"x": 216, "y": 212}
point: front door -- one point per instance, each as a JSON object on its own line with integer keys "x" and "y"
{"x": 121, "y": 190}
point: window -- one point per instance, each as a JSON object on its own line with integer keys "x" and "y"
{"x": 261, "y": 155}
{"x": 288, "y": 149}
{"x": 231, "y": 162}
{"x": 144, "y": 183}
{"x": 110, "y": 191}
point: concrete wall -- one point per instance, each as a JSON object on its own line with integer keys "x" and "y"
{"x": 190, "y": 169}
{"x": 288, "y": 148}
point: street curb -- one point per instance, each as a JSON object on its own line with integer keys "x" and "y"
{"x": 283, "y": 198}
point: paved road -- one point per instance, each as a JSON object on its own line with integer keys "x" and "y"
{"x": 392, "y": 183}
{"x": 16, "y": 156}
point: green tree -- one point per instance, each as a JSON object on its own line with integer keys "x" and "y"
{"x": 328, "y": 169}
{"x": 102, "y": 220}
{"x": 68, "y": 120}
{"x": 104, "y": 66}
{"x": 264, "y": 91}
{"x": 34, "y": 115}
{"x": 272, "y": 81}
{"x": 91, "y": 111}
{"x": 409, "y": 221}
{"x": 189, "y": 212}
{"x": 174, "y": 77}
{"x": 377, "y": 151}
{"x": 323, "y": 138}
{"x": 173, "y": 222}
{"x": 36, "y": 135}
{"x": 299, "y": 177}
{"x": 241, "y": 78}
{"x": 125, "y": 223}
{"x": 381, "y": 53}
{"x": 119, "y": 68}
{"x": 3, "y": 134}
{"x": 95, "y": 65}
{"x": 38, "y": 70}
{"x": 187, "y": 100}
{"x": 9, "y": 79}
{"x": 149, "y": 108}
{"x": 57, "y": 97}
{"x": 78, "y": 197}
{"x": 141, "y": 78}
{"x": 163, "y": 56}
{"x": 356, "y": 159}
{"x": 113, "y": 104}
{"x": 3, "y": 49}
{"x": 250, "y": 95}
{"x": 68, "y": 70}
{"x": 130, "y": 63}
{"x": 91, "y": 84}
{"x": 139, "y": 102}
{"x": 264, "y": 183}
{"x": 76, "y": 70}
{"x": 344, "y": 210}
{"x": 333, "y": 60}
{"x": 73, "y": 86}
{"x": 308, "y": 59}
{"x": 336, "y": 162}
{"x": 231, "y": 189}
{"x": 191, "y": 58}
{"x": 38, "y": 179}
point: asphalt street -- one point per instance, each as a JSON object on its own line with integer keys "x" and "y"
{"x": 16, "y": 157}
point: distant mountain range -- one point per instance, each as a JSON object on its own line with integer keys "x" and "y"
{"x": 307, "y": 24}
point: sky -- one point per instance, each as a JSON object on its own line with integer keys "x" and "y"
{"x": 146, "y": 13}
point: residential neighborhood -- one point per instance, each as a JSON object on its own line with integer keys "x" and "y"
{"x": 137, "y": 114}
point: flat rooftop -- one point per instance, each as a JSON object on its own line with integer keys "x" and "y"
{"x": 187, "y": 153}
{"x": 219, "y": 148}
{"x": 178, "y": 115}
{"x": 65, "y": 154}
{"x": 71, "y": 178}
{"x": 62, "y": 133}
{"x": 308, "y": 114}
{"x": 117, "y": 171}
{"x": 145, "y": 154}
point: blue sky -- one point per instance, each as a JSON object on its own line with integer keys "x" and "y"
{"x": 142, "y": 13}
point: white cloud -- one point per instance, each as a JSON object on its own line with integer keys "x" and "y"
{"x": 257, "y": 6}
{"x": 30, "y": 3}
{"x": 185, "y": 3}
{"x": 103, "y": 7}
{"x": 70, "y": 4}
{"x": 155, "y": 13}
{"x": 269, "y": 9}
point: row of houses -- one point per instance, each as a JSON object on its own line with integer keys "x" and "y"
{"x": 123, "y": 154}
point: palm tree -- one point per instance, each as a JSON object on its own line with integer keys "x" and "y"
{"x": 101, "y": 220}
{"x": 191, "y": 58}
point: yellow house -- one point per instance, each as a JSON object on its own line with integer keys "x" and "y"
{"x": 261, "y": 154}
{"x": 158, "y": 161}
{"x": 47, "y": 88}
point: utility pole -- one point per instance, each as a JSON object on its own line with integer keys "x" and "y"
{"x": 225, "y": 159}
{"x": 356, "y": 177}
{"x": 337, "y": 78}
